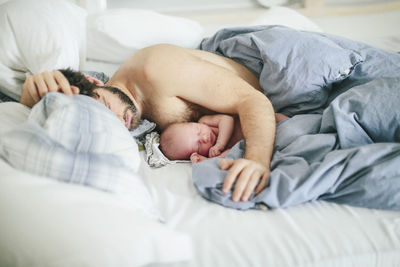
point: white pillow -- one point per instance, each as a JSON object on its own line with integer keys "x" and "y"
{"x": 278, "y": 15}
{"x": 36, "y": 36}
{"x": 269, "y": 3}
{"x": 78, "y": 140}
{"x": 12, "y": 113}
{"x": 115, "y": 35}
{"x": 48, "y": 223}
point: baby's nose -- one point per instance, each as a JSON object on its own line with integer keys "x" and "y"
{"x": 204, "y": 139}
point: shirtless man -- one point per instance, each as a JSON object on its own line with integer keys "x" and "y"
{"x": 169, "y": 84}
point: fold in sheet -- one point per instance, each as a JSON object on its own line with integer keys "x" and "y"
{"x": 342, "y": 146}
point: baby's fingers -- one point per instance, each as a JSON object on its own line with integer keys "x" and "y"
{"x": 194, "y": 158}
{"x": 214, "y": 152}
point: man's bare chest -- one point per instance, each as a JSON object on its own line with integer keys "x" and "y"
{"x": 172, "y": 110}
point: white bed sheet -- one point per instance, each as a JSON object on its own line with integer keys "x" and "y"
{"x": 50, "y": 223}
{"x": 314, "y": 234}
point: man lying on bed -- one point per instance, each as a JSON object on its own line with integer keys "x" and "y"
{"x": 168, "y": 84}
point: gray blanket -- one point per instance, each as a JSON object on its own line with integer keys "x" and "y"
{"x": 341, "y": 143}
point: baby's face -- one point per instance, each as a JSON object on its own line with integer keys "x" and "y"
{"x": 194, "y": 137}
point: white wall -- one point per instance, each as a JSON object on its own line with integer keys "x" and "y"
{"x": 187, "y": 5}
{"x": 177, "y": 5}
{"x": 354, "y": 2}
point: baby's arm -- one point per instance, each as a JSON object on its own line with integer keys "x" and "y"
{"x": 280, "y": 117}
{"x": 225, "y": 125}
{"x": 196, "y": 157}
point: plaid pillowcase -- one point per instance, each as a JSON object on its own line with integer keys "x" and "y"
{"x": 78, "y": 140}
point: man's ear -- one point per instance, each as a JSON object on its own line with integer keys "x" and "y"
{"x": 95, "y": 95}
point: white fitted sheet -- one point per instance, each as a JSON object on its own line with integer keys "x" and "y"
{"x": 50, "y": 223}
{"x": 314, "y": 234}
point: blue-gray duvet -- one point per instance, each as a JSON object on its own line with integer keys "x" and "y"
{"x": 341, "y": 143}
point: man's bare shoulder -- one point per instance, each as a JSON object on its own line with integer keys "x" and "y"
{"x": 163, "y": 61}
{"x": 160, "y": 51}
{"x": 150, "y": 63}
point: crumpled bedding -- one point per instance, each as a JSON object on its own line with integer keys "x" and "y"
{"x": 80, "y": 141}
{"x": 154, "y": 156}
{"x": 341, "y": 143}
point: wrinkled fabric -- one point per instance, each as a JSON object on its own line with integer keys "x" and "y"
{"x": 78, "y": 140}
{"x": 342, "y": 147}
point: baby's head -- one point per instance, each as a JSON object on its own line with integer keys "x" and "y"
{"x": 178, "y": 141}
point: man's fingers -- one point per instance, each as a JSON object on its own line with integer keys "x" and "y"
{"x": 62, "y": 82}
{"x": 32, "y": 90}
{"x": 234, "y": 170}
{"x": 225, "y": 164}
{"x": 40, "y": 85}
{"x": 249, "y": 176}
{"x": 50, "y": 82}
{"x": 93, "y": 80}
{"x": 75, "y": 90}
{"x": 262, "y": 184}
{"x": 242, "y": 183}
{"x": 251, "y": 184}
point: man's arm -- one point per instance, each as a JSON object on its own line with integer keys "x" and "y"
{"x": 176, "y": 73}
{"x": 37, "y": 86}
{"x": 225, "y": 125}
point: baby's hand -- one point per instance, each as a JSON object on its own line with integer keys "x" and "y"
{"x": 194, "y": 158}
{"x": 214, "y": 151}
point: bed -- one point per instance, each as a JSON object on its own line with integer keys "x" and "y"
{"x": 159, "y": 219}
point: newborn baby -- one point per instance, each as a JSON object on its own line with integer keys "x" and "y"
{"x": 212, "y": 136}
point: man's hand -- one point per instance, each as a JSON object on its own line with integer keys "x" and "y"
{"x": 38, "y": 85}
{"x": 93, "y": 80}
{"x": 250, "y": 176}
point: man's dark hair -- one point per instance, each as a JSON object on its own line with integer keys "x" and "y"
{"x": 88, "y": 88}
{"x": 77, "y": 79}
